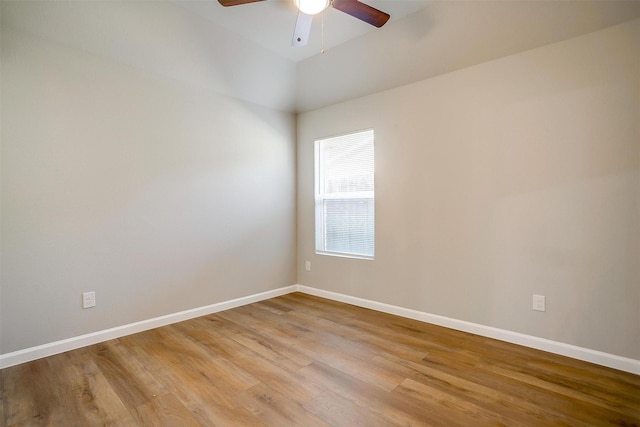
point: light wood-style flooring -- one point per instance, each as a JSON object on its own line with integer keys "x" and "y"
{"x": 299, "y": 360}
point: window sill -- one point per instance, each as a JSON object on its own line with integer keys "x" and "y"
{"x": 342, "y": 255}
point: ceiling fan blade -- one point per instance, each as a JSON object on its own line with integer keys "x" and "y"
{"x": 302, "y": 30}
{"x": 236, "y": 2}
{"x": 362, "y": 11}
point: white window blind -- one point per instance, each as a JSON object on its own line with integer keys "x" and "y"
{"x": 344, "y": 195}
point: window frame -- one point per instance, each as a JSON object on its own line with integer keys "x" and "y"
{"x": 320, "y": 196}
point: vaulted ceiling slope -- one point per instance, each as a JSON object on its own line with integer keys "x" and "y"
{"x": 198, "y": 42}
{"x": 445, "y": 36}
{"x": 163, "y": 38}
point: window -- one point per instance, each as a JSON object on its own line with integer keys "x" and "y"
{"x": 344, "y": 195}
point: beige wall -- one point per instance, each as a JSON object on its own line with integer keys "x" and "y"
{"x": 515, "y": 177}
{"x": 157, "y": 194}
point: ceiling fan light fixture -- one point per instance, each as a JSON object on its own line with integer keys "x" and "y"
{"x": 312, "y": 7}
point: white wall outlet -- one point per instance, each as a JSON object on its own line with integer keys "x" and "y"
{"x": 88, "y": 299}
{"x": 539, "y": 303}
{"x": 307, "y": 265}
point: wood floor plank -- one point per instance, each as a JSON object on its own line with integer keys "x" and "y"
{"x": 229, "y": 376}
{"x": 280, "y": 355}
{"x": 2, "y": 400}
{"x": 276, "y": 410}
{"x": 91, "y": 397}
{"x": 563, "y": 389}
{"x": 301, "y": 360}
{"x": 280, "y": 380}
{"x": 165, "y": 410}
{"x": 199, "y": 393}
{"x": 354, "y": 333}
{"x": 531, "y": 405}
{"x": 421, "y": 391}
{"x": 31, "y": 397}
{"x": 341, "y": 412}
{"x": 379, "y": 325}
{"x": 397, "y": 409}
{"x": 110, "y": 365}
{"x": 334, "y": 350}
{"x": 283, "y": 381}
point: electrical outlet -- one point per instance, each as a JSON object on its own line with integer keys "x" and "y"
{"x": 539, "y": 303}
{"x": 307, "y": 265}
{"x": 88, "y": 299}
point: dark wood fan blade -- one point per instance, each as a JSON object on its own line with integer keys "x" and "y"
{"x": 236, "y": 2}
{"x": 362, "y": 11}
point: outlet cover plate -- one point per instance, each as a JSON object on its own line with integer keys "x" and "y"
{"x": 88, "y": 299}
{"x": 539, "y": 303}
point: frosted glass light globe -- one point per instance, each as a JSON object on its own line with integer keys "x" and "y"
{"x": 312, "y": 7}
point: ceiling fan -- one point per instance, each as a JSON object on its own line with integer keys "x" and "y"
{"x": 308, "y": 8}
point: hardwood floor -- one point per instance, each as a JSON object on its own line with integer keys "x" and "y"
{"x": 298, "y": 360}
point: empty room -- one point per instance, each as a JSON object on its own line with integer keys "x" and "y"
{"x": 319, "y": 213}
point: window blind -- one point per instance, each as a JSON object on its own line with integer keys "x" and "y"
{"x": 344, "y": 196}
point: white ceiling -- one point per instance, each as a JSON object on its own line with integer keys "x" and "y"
{"x": 445, "y": 36}
{"x": 245, "y": 51}
{"x": 270, "y": 23}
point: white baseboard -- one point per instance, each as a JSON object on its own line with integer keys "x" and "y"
{"x": 580, "y": 353}
{"x": 33, "y": 353}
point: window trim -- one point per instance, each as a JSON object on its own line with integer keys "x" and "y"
{"x": 319, "y": 197}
